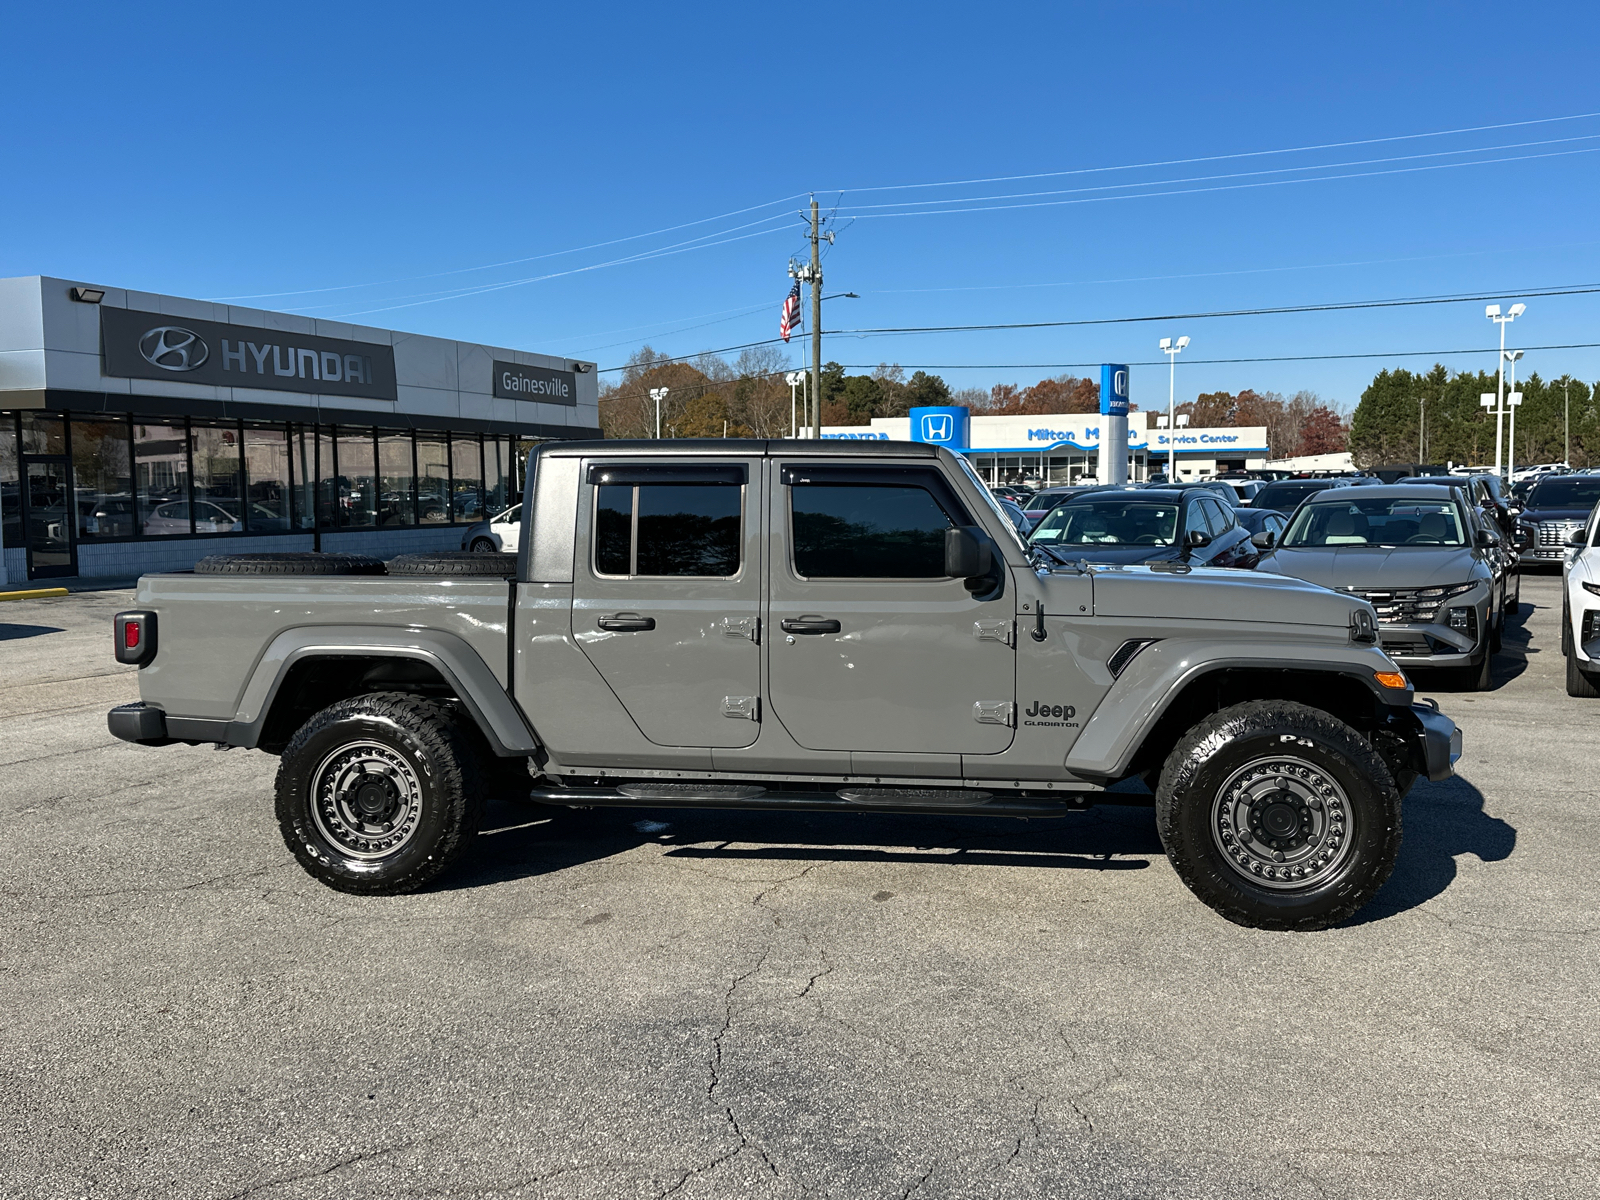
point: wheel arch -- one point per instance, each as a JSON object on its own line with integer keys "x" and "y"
{"x": 1137, "y": 735}
{"x": 304, "y": 670}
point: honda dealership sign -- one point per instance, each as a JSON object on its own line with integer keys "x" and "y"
{"x": 141, "y": 345}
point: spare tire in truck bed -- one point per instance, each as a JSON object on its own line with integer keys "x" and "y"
{"x": 455, "y": 562}
{"x": 302, "y": 563}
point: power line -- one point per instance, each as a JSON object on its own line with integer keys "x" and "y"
{"x": 1231, "y": 187}
{"x": 1212, "y": 361}
{"x": 1363, "y": 162}
{"x": 1176, "y": 162}
{"x": 1340, "y": 306}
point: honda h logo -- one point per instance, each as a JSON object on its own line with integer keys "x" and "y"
{"x": 936, "y": 427}
{"x": 173, "y": 349}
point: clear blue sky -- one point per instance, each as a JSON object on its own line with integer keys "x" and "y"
{"x": 228, "y": 151}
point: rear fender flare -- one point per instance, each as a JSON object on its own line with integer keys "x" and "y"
{"x": 461, "y": 666}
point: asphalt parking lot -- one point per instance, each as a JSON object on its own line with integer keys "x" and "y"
{"x": 617, "y": 1004}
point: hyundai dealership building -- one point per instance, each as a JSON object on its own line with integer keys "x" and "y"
{"x": 140, "y": 432}
{"x": 1064, "y": 448}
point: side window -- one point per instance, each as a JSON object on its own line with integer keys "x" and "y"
{"x": 1221, "y": 519}
{"x": 667, "y": 529}
{"x": 1198, "y": 518}
{"x": 868, "y": 531}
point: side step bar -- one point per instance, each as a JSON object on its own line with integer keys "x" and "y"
{"x": 962, "y": 802}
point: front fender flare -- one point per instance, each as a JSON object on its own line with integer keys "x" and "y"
{"x": 460, "y": 665}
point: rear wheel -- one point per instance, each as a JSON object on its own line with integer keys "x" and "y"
{"x": 1279, "y": 816}
{"x": 484, "y": 545}
{"x": 378, "y": 794}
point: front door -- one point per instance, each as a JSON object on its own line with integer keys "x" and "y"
{"x": 872, "y": 647}
{"x": 47, "y": 514}
{"x": 667, "y": 595}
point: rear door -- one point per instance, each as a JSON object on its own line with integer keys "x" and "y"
{"x": 873, "y": 648}
{"x": 667, "y": 594}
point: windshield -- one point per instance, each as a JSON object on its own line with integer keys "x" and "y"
{"x": 1286, "y": 495}
{"x": 1108, "y": 523}
{"x": 1566, "y": 493}
{"x": 1376, "y": 522}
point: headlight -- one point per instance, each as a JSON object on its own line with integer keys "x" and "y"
{"x": 1464, "y": 620}
{"x": 1591, "y": 587}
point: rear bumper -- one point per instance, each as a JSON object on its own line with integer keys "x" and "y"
{"x": 138, "y": 722}
{"x": 1441, "y": 740}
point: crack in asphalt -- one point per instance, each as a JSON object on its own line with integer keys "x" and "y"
{"x": 365, "y": 1156}
{"x": 917, "y": 1186}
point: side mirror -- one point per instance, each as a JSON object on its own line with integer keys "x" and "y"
{"x": 966, "y": 552}
{"x": 1485, "y": 539}
{"x": 1196, "y": 539}
{"x": 1578, "y": 540}
{"x": 1265, "y": 540}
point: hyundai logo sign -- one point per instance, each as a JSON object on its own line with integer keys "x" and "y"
{"x": 173, "y": 348}
{"x": 937, "y": 427}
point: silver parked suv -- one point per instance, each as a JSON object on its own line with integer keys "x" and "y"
{"x": 1422, "y": 558}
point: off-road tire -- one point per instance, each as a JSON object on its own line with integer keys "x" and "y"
{"x": 288, "y": 564}
{"x": 1199, "y": 775}
{"x": 413, "y": 738}
{"x": 1579, "y": 682}
{"x": 454, "y": 563}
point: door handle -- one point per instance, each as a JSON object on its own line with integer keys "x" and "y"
{"x": 810, "y": 625}
{"x": 626, "y": 623}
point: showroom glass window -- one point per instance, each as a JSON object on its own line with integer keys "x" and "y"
{"x": 397, "y": 479}
{"x": 668, "y": 529}
{"x": 466, "y": 475}
{"x": 358, "y": 478}
{"x": 433, "y": 478}
{"x": 303, "y": 467}
{"x": 44, "y": 433}
{"x": 267, "y": 479}
{"x": 868, "y": 531}
{"x": 10, "y": 483}
{"x": 102, "y": 477}
{"x": 497, "y": 482}
{"x": 161, "y": 478}
{"x": 217, "y": 460}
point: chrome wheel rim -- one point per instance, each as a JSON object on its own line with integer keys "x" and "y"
{"x": 1282, "y": 823}
{"x": 366, "y": 800}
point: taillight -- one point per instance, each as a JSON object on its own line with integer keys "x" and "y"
{"x": 135, "y": 637}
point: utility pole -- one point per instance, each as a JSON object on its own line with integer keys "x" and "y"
{"x": 816, "y": 322}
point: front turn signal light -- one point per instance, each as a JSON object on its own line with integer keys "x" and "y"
{"x": 1391, "y": 679}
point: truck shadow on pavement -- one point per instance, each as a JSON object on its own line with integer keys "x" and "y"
{"x": 13, "y": 633}
{"x": 520, "y": 841}
{"x": 1441, "y": 820}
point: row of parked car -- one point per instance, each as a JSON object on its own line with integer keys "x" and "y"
{"x": 1439, "y": 557}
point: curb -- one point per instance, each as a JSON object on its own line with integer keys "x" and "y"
{"x": 34, "y": 594}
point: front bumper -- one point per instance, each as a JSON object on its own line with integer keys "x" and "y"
{"x": 1419, "y": 645}
{"x": 1441, "y": 740}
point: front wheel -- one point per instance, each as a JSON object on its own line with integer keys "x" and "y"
{"x": 378, "y": 794}
{"x": 1579, "y": 682}
{"x": 1279, "y": 816}
{"x": 484, "y": 545}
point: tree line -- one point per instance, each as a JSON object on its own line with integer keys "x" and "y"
{"x": 1436, "y": 417}
{"x": 709, "y": 397}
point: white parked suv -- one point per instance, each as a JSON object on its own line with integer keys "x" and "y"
{"x": 1580, "y": 609}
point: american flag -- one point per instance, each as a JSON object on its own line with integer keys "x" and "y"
{"x": 791, "y": 311}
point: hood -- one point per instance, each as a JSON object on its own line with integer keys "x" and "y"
{"x": 1216, "y": 594}
{"x": 1375, "y": 566}
{"x": 1534, "y": 515}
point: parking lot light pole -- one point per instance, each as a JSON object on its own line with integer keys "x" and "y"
{"x": 1172, "y": 349}
{"x": 792, "y": 378}
{"x": 1493, "y": 313}
{"x": 658, "y": 395}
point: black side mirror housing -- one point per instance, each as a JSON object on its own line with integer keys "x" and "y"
{"x": 967, "y": 555}
{"x": 1578, "y": 540}
{"x": 1197, "y": 538}
{"x": 1485, "y": 539}
{"x": 1265, "y": 540}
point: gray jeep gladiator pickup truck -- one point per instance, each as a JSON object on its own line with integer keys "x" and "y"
{"x": 838, "y": 626}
